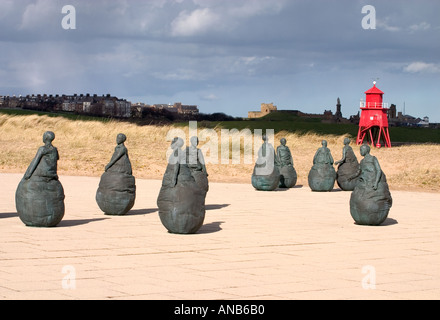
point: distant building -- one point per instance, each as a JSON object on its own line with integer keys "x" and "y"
{"x": 177, "y": 107}
{"x": 186, "y": 109}
{"x": 399, "y": 119}
{"x": 423, "y": 122}
{"x": 266, "y": 108}
{"x": 327, "y": 116}
{"x": 10, "y": 101}
{"x": 107, "y": 106}
{"x": 338, "y": 114}
{"x": 392, "y": 113}
{"x": 81, "y": 104}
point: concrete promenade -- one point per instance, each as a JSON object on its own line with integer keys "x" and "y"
{"x": 284, "y": 245}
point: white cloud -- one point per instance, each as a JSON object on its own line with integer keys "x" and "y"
{"x": 209, "y": 97}
{"x": 5, "y": 7}
{"x": 420, "y": 26}
{"x": 39, "y": 13}
{"x": 422, "y": 67}
{"x": 384, "y": 24}
{"x": 256, "y": 7}
{"x": 221, "y": 15}
{"x": 254, "y": 60}
{"x": 179, "y": 75}
{"x": 193, "y": 23}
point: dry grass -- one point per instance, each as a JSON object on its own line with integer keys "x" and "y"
{"x": 85, "y": 148}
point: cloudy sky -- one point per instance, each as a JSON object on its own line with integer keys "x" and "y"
{"x": 226, "y": 55}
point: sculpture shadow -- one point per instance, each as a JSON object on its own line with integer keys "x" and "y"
{"x": 141, "y": 211}
{"x": 210, "y": 227}
{"x": 387, "y": 222}
{"x": 8, "y": 215}
{"x": 332, "y": 190}
{"x": 216, "y": 206}
{"x": 77, "y": 222}
{"x": 299, "y": 186}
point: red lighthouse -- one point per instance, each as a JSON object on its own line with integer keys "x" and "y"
{"x": 373, "y": 124}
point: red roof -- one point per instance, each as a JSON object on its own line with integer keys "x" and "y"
{"x": 374, "y": 90}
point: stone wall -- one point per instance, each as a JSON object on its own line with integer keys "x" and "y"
{"x": 266, "y": 108}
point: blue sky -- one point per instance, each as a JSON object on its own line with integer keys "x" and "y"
{"x": 226, "y": 56}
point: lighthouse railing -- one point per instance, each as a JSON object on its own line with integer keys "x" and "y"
{"x": 378, "y": 105}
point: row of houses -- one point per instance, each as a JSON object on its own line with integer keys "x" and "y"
{"x": 105, "y": 105}
{"x": 176, "y": 108}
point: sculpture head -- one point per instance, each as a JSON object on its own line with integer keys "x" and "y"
{"x": 120, "y": 138}
{"x": 324, "y": 143}
{"x": 48, "y": 137}
{"x": 347, "y": 141}
{"x": 194, "y": 141}
{"x": 264, "y": 137}
{"x": 365, "y": 149}
{"x": 176, "y": 143}
{"x": 283, "y": 141}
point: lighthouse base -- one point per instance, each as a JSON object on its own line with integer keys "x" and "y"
{"x": 375, "y": 136}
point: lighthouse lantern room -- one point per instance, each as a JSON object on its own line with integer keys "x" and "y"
{"x": 373, "y": 124}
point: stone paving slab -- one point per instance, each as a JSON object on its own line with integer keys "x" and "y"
{"x": 283, "y": 245}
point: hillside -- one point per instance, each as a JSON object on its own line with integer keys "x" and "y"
{"x": 284, "y": 121}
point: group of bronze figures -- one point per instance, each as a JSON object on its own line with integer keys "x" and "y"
{"x": 181, "y": 200}
{"x": 370, "y": 200}
{"x": 40, "y": 196}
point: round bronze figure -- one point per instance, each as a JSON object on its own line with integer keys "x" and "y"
{"x": 348, "y": 166}
{"x": 288, "y": 176}
{"x": 322, "y": 175}
{"x": 181, "y": 200}
{"x": 116, "y": 193}
{"x": 196, "y": 164}
{"x": 266, "y": 176}
{"x": 39, "y": 197}
{"x": 370, "y": 201}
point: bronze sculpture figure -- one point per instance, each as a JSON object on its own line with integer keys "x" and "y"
{"x": 116, "y": 193}
{"x": 288, "y": 175}
{"x": 322, "y": 175}
{"x": 266, "y": 176}
{"x": 196, "y": 163}
{"x": 39, "y": 197}
{"x": 347, "y": 167}
{"x": 181, "y": 201}
{"x": 371, "y": 200}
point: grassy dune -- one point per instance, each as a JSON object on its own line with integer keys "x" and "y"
{"x": 85, "y": 147}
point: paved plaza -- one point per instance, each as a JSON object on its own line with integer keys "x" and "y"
{"x": 283, "y": 245}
